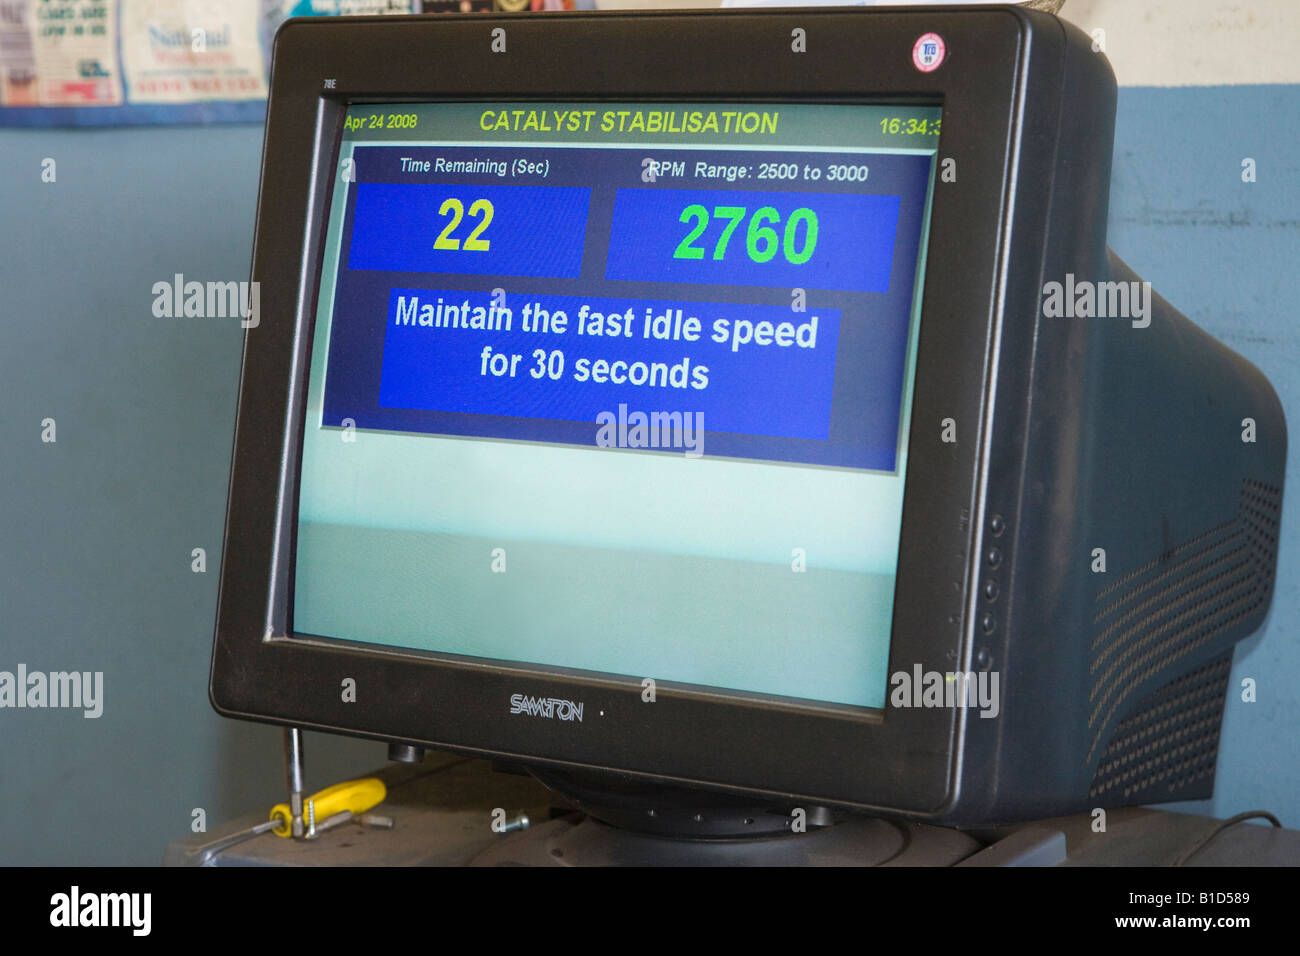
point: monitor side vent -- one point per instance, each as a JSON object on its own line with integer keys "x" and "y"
{"x": 1166, "y": 750}
{"x": 1154, "y": 617}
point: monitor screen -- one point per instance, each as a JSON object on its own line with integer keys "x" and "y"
{"x": 621, "y": 389}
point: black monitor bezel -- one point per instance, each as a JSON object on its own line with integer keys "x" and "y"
{"x": 893, "y": 760}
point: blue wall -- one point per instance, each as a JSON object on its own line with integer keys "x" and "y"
{"x": 96, "y": 530}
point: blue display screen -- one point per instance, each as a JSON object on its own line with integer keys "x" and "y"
{"x": 753, "y": 282}
{"x": 623, "y": 390}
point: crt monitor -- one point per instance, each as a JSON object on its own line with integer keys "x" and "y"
{"x": 746, "y": 403}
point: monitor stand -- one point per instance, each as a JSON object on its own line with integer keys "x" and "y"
{"x": 629, "y": 823}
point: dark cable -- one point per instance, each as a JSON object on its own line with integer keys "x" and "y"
{"x": 1200, "y": 844}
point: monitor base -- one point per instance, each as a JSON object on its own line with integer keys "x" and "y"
{"x": 627, "y": 803}
{"x": 854, "y": 842}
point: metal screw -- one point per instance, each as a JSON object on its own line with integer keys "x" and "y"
{"x": 520, "y": 822}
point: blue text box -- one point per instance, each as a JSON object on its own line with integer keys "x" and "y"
{"x": 778, "y": 390}
{"x": 853, "y": 248}
{"x": 533, "y": 230}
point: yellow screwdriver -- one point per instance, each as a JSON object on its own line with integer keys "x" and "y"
{"x": 344, "y": 800}
{"x": 333, "y": 806}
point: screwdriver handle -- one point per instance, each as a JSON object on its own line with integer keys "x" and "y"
{"x": 353, "y": 796}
